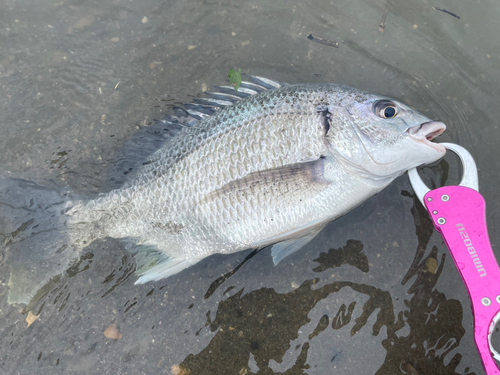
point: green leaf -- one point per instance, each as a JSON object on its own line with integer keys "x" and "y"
{"x": 235, "y": 78}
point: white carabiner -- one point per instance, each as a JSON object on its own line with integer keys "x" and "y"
{"x": 469, "y": 178}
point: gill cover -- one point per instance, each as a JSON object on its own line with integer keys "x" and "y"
{"x": 379, "y": 139}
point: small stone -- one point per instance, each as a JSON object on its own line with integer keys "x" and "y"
{"x": 177, "y": 370}
{"x": 431, "y": 265}
{"x": 145, "y": 19}
{"x": 154, "y": 64}
{"x": 31, "y": 318}
{"x": 112, "y": 332}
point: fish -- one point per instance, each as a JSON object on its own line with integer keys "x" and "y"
{"x": 381, "y": 27}
{"x": 271, "y": 164}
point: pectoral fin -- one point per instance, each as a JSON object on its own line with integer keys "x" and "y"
{"x": 288, "y": 180}
{"x": 285, "y": 248}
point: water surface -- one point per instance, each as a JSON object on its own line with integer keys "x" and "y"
{"x": 375, "y": 292}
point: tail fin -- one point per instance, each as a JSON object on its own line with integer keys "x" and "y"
{"x": 35, "y": 246}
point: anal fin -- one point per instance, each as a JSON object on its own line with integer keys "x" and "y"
{"x": 282, "y": 249}
{"x": 159, "y": 267}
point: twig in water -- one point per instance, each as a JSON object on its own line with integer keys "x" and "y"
{"x": 446, "y": 11}
{"x": 323, "y": 41}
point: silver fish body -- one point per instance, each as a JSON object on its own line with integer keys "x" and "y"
{"x": 272, "y": 168}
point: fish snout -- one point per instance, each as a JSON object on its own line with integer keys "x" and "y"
{"x": 426, "y": 132}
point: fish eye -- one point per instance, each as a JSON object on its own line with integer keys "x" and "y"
{"x": 385, "y": 109}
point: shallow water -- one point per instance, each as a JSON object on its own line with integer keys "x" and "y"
{"x": 375, "y": 292}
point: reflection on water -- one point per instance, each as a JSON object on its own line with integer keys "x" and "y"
{"x": 263, "y": 324}
{"x": 350, "y": 254}
{"x": 375, "y": 292}
{"x": 259, "y": 327}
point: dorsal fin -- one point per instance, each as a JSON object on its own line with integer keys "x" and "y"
{"x": 221, "y": 97}
{"x": 147, "y": 140}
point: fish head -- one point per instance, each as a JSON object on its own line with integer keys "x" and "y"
{"x": 380, "y": 138}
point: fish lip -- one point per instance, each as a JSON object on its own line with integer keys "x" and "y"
{"x": 426, "y": 132}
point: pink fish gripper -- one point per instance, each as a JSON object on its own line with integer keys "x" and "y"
{"x": 459, "y": 214}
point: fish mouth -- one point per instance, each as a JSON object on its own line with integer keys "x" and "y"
{"x": 426, "y": 132}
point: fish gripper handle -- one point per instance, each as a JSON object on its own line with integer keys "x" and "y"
{"x": 459, "y": 214}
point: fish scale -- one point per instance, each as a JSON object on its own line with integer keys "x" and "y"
{"x": 269, "y": 168}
